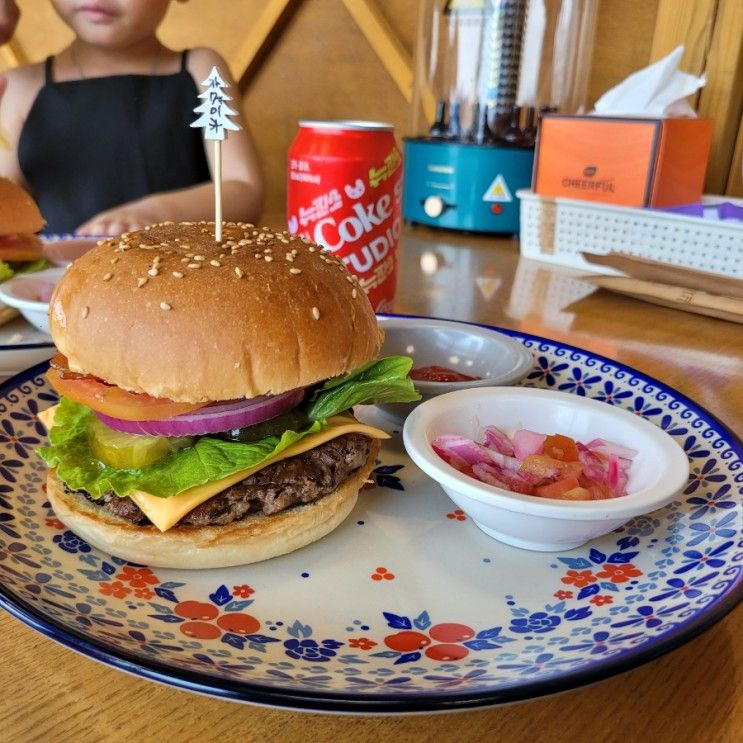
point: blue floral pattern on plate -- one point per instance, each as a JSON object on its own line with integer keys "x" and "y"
{"x": 407, "y": 606}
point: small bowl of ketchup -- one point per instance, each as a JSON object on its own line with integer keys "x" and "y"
{"x": 449, "y": 355}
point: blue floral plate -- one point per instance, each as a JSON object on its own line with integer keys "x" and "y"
{"x": 407, "y": 606}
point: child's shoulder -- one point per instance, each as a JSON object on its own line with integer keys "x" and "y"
{"x": 24, "y": 83}
{"x": 25, "y": 76}
{"x": 201, "y": 59}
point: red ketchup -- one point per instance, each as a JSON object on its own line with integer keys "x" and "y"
{"x": 436, "y": 373}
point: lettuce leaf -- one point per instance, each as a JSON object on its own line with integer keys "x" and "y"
{"x": 6, "y": 272}
{"x": 208, "y": 459}
{"x": 384, "y": 380}
{"x": 40, "y": 264}
{"x": 211, "y": 458}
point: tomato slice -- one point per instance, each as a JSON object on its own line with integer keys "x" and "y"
{"x": 560, "y": 447}
{"x": 110, "y": 399}
{"x": 20, "y": 248}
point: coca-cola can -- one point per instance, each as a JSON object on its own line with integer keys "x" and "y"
{"x": 344, "y": 192}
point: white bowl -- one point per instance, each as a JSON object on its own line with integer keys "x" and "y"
{"x": 29, "y": 293}
{"x": 658, "y": 472}
{"x": 474, "y": 350}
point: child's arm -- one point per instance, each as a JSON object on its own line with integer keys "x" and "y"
{"x": 183, "y": 205}
{"x": 242, "y": 182}
{"x": 9, "y": 15}
{"x": 22, "y": 86}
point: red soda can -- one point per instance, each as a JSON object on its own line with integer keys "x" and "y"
{"x": 344, "y": 192}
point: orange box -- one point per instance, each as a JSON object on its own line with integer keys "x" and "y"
{"x": 617, "y": 160}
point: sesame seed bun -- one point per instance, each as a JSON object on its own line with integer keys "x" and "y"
{"x": 170, "y": 312}
{"x": 19, "y": 213}
{"x": 251, "y": 539}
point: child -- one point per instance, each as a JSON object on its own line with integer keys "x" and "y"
{"x": 100, "y": 134}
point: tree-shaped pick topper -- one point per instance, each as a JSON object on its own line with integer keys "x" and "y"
{"x": 215, "y": 121}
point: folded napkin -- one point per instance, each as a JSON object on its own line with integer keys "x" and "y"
{"x": 681, "y": 288}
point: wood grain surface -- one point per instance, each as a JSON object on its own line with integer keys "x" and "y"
{"x": 693, "y": 694}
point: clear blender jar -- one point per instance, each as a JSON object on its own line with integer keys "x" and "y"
{"x": 485, "y": 70}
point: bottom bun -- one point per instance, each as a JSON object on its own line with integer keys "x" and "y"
{"x": 252, "y": 539}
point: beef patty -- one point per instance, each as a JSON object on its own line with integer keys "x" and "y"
{"x": 293, "y": 481}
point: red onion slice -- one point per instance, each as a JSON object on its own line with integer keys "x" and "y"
{"x": 213, "y": 418}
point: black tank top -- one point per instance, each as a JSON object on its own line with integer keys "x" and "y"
{"x": 89, "y": 145}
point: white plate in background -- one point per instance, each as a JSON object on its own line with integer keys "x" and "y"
{"x": 22, "y": 346}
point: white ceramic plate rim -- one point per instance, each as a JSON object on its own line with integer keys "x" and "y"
{"x": 52, "y": 241}
{"x": 9, "y": 347}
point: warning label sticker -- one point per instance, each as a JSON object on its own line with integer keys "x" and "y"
{"x": 498, "y": 190}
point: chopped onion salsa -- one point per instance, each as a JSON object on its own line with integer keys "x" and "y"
{"x": 546, "y": 466}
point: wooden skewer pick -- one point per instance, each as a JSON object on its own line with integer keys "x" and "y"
{"x": 214, "y": 119}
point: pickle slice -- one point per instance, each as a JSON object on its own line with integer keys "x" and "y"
{"x": 130, "y": 451}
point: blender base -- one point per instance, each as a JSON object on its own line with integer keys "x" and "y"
{"x": 464, "y": 186}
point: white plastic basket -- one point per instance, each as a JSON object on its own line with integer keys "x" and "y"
{"x": 558, "y": 230}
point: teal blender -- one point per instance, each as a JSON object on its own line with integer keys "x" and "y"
{"x": 476, "y": 103}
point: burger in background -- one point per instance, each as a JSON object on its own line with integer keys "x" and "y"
{"x": 206, "y": 394}
{"x": 21, "y": 248}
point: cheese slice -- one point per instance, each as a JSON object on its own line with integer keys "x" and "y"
{"x": 47, "y": 416}
{"x": 165, "y": 512}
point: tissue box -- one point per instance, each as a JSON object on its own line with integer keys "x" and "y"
{"x": 628, "y": 161}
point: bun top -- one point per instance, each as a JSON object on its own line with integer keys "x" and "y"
{"x": 170, "y": 312}
{"x": 18, "y": 211}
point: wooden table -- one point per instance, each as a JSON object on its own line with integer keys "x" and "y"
{"x": 692, "y": 694}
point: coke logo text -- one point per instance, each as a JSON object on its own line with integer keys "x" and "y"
{"x": 365, "y": 219}
{"x": 362, "y": 260}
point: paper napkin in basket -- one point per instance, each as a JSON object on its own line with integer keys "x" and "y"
{"x": 660, "y": 89}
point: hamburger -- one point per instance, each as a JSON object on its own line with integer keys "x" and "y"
{"x": 206, "y": 393}
{"x": 21, "y": 248}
